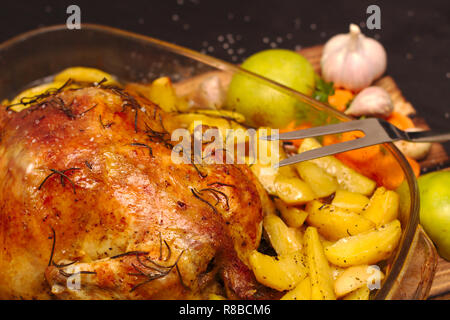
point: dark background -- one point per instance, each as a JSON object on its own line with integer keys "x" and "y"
{"x": 416, "y": 34}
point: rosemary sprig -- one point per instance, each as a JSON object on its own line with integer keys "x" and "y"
{"x": 62, "y": 176}
{"x": 52, "y": 252}
{"x": 221, "y": 184}
{"x": 145, "y": 265}
{"x": 180, "y": 277}
{"x": 169, "y": 251}
{"x": 58, "y": 102}
{"x": 37, "y": 98}
{"x": 86, "y": 111}
{"x": 160, "y": 273}
{"x": 149, "y": 277}
{"x": 217, "y": 194}
{"x": 105, "y": 126}
{"x": 128, "y": 101}
{"x": 68, "y": 275}
{"x": 201, "y": 174}
{"x": 139, "y": 144}
{"x": 198, "y": 196}
{"x": 99, "y": 84}
{"x": 154, "y": 132}
{"x": 160, "y": 246}
{"x": 158, "y": 136}
{"x": 161, "y": 123}
{"x": 64, "y": 265}
{"x": 189, "y": 158}
{"x": 60, "y": 266}
{"x": 129, "y": 253}
{"x": 88, "y": 164}
{"x": 136, "y": 120}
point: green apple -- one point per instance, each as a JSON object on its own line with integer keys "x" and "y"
{"x": 266, "y": 106}
{"x": 435, "y": 209}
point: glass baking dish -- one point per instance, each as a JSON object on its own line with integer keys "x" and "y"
{"x": 136, "y": 58}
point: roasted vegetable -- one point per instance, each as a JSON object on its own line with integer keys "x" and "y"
{"x": 301, "y": 292}
{"x": 281, "y": 272}
{"x": 347, "y": 178}
{"x": 284, "y": 240}
{"x": 335, "y": 223}
{"x": 365, "y": 248}
{"x": 292, "y": 190}
{"x": 382, "y": 207}
{"x": 321, "y": 183}
{"x": 293, "y": 216}
{"x": 352, "y": 201}
{"x": 319, "y": 269}
{"x": 356, "y": 277}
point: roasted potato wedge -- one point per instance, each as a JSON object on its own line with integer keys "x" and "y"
{"x": 301, "y": 292}
{"x": 293, "y": 216}
{"x": 280, "y": 273}
{"x": 335, "y": 223}
{"x": 267, "y": 174}
{"x": 321, "y": 183}
{"x": 269, "y": 152}
{"x": 292, "y": 190}
{"x": 359, "y": 294}
{"x": 347, "y": 178}
{"x": 383, "y": 206}
{"x": 335, "y": 270}
{"x": 352, "y": 201}
{"x": 284, "y": 240}
{"x": 163, "y": 94}
{"x": 369, "y": 247}
{"x": 319, "y": 270}
{"x": 356, "y": 277}
{"x": 84, "y": 74}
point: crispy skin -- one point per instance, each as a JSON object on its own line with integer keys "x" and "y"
{"x": 120, "y": 198}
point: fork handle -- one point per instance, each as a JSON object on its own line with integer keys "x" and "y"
{"x": 428, "y": 136}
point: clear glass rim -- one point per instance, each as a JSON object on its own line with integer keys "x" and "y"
{"x": 410, "y": 228}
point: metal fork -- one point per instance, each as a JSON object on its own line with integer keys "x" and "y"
{"x": 376, "y": 131}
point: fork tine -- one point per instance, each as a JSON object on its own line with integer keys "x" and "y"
{"x": 320, "y": 131}
{"x": 326, "y": 151}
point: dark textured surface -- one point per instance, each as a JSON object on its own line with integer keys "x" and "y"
{"x": 416, "y": 34}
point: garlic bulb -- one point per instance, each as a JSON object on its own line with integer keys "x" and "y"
{"x": 352, "y": 60}
{"x": 372, "y": 101}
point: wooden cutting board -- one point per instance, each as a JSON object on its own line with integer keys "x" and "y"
{"x": 436, "y": 159}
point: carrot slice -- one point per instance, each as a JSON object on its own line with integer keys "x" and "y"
{"x": 340, "y": 99}
{"x": 400, "y": 121}
{"x": 373, "y": 162}
{"x": 294, "y": 126}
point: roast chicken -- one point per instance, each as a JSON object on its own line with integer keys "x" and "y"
{"x": 92, "y": 207}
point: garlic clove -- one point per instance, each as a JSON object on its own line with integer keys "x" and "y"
{"x": 210, "y": 93}
{"x": 372, "y": 101}
{"x": 353, "y": 61}
{"x": 415, "y": 150}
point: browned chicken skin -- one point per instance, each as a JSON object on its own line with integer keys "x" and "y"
{"x": 88, "y": 191}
